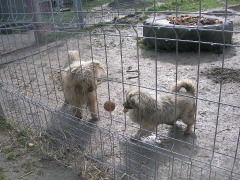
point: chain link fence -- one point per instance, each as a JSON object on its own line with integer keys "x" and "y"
{"x": 138, "y": 47}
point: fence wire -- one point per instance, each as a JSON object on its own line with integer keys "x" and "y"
{"x": 138, "y": 47}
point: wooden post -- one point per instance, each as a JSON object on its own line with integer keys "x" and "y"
{"x": 35, "y": 9}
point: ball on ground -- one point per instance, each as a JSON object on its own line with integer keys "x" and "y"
{"x": 109, "y": 105}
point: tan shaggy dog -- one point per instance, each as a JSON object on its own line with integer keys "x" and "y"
{"x": 80, "y": 83}
{"x": 143, "y": 109}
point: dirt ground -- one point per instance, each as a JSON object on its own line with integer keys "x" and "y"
{"x": 21, "y": 158}
{"x": 37, "y": 79}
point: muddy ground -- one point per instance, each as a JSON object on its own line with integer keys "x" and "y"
{"x": 32, "y": 92}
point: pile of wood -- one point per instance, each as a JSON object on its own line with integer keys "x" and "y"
{"x": 192, "y": 20}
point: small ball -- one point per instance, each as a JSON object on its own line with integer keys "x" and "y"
{"x": 109, "y": 105}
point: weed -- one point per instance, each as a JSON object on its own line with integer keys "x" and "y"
{"x": 10, "y": 156}
{"x": 19, "y": 154}
{"x": 56, "y": 36}
{"x": 112, "y": 44}
{"x": 4, "y": 124}
{"x": 39, "y": 172}
{"x": 32, "y": 79}
{"x": 27, "y": 164}
{"x": 17, "y": 32}
{"x": 141, "y": 45}
{"x": 2, "y": 177}
{"x": 7, "y": 150}
{"x": 25, "y": 86}
{"x": 23, "y": 137}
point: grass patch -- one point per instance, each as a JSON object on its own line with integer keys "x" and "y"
{"x": 2, "y": 177}
{"x": 17, "y": 32}
{"x": 56, "y": 36}
{"x": 187, "y": 5}
{"x": 4, "y": 124}
{"x": 27, "y": 164}
{"x": 39, "y": 172}
{"x": 91, "y": 4}
{"x": 141, "y": 45}
{"x": 32, "y": 79}
{"x": 25, "y": 86}
{"x": 10, "y": 156}
{"x": 232, "y": 2}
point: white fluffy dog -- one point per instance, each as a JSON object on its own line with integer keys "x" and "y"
{"x": 143, "y": 109}
{"x": 80, "y": 83}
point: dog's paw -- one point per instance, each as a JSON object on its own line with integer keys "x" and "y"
{"x": 94, "y": 119}
{"x": 134, "y": 138}
{"x": 187, "y": 132}
{"x": 78, "y": 115}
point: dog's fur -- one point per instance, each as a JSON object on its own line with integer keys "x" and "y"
{"x": 143, "y": 109}
{"x": 80, "y": 83}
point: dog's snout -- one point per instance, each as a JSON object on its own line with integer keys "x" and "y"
{"x": 127, "y": 106}
{"x": 90, "y": 89}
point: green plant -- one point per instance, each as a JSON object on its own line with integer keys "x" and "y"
{"x": 141, "y": 45}
{"x": 187, "y": 5}
{"x": 112, "y": 44}
{"x": 2, "y": 177}
{"x": 10, "y": 156}
{"x": 39, "y": 172}
{"x": 25, "y": 86}
{"x": 91, "y": 4}
{"x": 32, "y": 79}
{"x": 27, "y": 164}
{"x": 56, "y": 36}
{"x": 23, "y": 137}
{"x": 4, "y": 124}
{"x": 17, "y": 32}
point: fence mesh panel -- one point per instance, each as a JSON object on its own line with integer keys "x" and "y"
{"x": 138, "y": 47}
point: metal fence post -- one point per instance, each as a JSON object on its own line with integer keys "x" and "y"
{"x": 1, "y": 109}
{"x": 78, "y": 9}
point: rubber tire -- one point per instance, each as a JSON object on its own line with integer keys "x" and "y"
{"x": 154, "y": 30}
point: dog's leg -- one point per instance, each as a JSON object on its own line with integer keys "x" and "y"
{"x": 170, "y": 123}
{"x": 92, "y": 105}
{"x": 188, "y": 130}
{"x": 66, "y": 102}
{"x": 79, "y": 113}
{"x": 144, "y": 131}
{"x": 188, "y": 119}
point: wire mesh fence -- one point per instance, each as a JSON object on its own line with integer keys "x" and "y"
{"x": 138, "y": 47}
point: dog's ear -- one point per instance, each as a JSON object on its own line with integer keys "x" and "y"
{"x": 100, "y": 66}
{"x": 97, "y": 66}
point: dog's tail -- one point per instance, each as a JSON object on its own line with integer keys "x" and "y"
{"x": 188, "y": 85}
